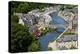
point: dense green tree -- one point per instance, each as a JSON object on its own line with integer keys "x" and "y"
{"x": 14, "y": 19}
{"x": 22, "y": 7}
{"x": 50, "y": 49}
{"x": 20, "y": 38}
{"x": 67, "y": 7}
{"x": 34, "y": 46}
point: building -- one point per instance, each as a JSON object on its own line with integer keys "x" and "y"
{"x": 67, "y": 41}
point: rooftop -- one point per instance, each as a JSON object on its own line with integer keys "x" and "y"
{"x": 68, "y": 38}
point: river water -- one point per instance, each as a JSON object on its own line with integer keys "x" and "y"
{"x": 44, "y": 40}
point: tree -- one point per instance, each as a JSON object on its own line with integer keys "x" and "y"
{"x": 50, "y": 49}
{"x": 23, "y": 8}
{"x": 34, "y": 46}
{"x": 20, "y": 38}
{"x": 14, "y": 19}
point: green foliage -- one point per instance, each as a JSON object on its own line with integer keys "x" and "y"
{"x": 24, "y": 7}
{"x": 20, "y": 38}
{"x": 14, "y": 19}
{"x": 70, "y": 6}
{"x": 50, "y": 48}
{"x": 62, "y": 8}
{"x": 34, "y": 47}
{"x": 67, "y": 7}
{"x": 68, "y": 33}
{"x": 13, "y": 6}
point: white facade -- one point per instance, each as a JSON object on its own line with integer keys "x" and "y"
{"x": 21, "y": 21}
{"x": 68, "y": 45}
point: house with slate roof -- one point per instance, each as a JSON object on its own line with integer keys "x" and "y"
{"x": 67, "y": 41}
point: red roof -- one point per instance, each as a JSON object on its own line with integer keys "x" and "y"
{"x": 36, "y": 33}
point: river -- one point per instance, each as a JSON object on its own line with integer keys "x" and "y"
{"x": 44, "y": 40}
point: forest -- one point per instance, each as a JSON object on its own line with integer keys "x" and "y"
{"x": 21, "y": 39}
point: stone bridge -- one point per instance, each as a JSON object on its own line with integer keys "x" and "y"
{"x": 58, "y": 26}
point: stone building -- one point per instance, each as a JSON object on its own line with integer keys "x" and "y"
{"x": 67, "y": 42}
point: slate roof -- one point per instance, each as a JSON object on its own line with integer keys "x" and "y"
{"x": 68, "y": 38}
